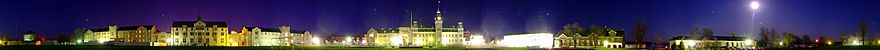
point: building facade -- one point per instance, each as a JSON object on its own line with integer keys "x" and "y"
{"x": 281, "y": 36}
{"x": 688, "y": 42}
{"x": 199, "y": 33}
{"x": 136, "y": 34}
{"x": 597, "y": 37}
{"x": 299, "y": 38}
{"x": 100, "y": 35}
{"x": 416, "y": 35}
{"x": 141, "y": 35}
{"x": 536, "y": 40}
{"x": 384, "y": 37}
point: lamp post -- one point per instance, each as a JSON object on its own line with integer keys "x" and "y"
{"x": 755, "y": 5}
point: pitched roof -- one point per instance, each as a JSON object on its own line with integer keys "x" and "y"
{"x": 270, "y": 30}
{"x": 297, "y": 31}
{"x": 30, "y": 32}
{"x": 100, "y": 29}
{"x": 387, "y": 30}
{"x": 619, "y": 33}
{"x": 263, "y": 29}
{"x": 190, "y": 23}
{"x": 135, "y": 27}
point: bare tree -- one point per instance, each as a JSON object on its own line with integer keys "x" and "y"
{"x": 641, "y": 29}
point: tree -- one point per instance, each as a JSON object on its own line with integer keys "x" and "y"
{"x": 572, "y": 29}
{"x": 824, "y": 41}
{"x": 806, "y": 39}
{"x": 598, "y": 30}
{"x": 863, "y": 28}
{"x": 63, "y": 38}
{"x": 788, "y": 39}
{"x": 708, "y": 32}
{"x": 768, "y": 37}
{"x": 78, "y": 35}
{"x": 641, "y": 29}
{"x": 701, "y": 32}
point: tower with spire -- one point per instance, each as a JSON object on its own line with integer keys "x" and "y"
{"x": 438, "y": 25}
{"x": 415, "y": 35}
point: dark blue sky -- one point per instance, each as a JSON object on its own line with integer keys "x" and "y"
{"x": 666, "y": 18}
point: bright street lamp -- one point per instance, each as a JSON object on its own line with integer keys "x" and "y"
{"x": 755, "y": 5}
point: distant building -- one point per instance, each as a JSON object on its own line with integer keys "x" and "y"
{"x": 281, "y": 36}
{"x": 687, "y": 42}
{"x": 160, "y": 38}
{"x": 136, "y": 34}
{"x": 142, "y": 35}
{"x": 594, "y": 39}
{"x": 100, "y": 35}
{"x": 200, "y": 33}
{"x": 384, "y": 37}
{"x": 30, "y": 36}
{"x": 538, "y": 40}
{"x": 415, "y": 35}
{"x": 300, "y": 37}
{"x": 265, "y": 36}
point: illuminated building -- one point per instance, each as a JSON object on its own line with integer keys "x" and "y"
{"x": 686, "y": 42}
{"x": 383, "y": 37}
{"x": 238, "y": 39}
{"x": 135, "y": 33}
{"x": 539, "y": 40}
{"x": 416, "y": 35}
{"x": 264, "y": 36}
{"x": 601, "y": 39}
{"x": 199, "y": 33}
{"x": 160, "y": 38}
{"x": 30, "y": 36}
{"x": 281, "y": 36}
{"x": 143, "y": 35}
{"x": 300, "y": 37}
{"x": 101, "y": 35}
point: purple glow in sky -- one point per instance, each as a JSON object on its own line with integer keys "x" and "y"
{"x": 666, "y": 18}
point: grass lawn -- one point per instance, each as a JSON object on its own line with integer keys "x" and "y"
{"x": 612, "y": 49}
{"x": 345, "y": 48}
{"x": 252, "y": 48}
{"x": 866, "y": 47}
{"x": 143, "y": 48}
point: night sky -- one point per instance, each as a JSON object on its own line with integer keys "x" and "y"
{"x": 666, "y": 18}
